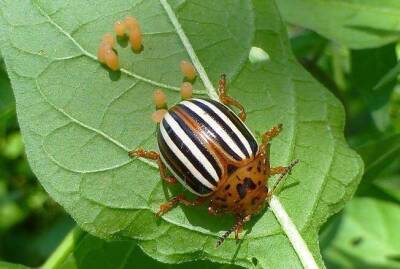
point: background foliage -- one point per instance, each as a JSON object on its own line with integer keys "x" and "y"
{"x": 356, "y": 60}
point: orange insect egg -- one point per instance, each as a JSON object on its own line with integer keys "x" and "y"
{"x": 186, "y": 90}
{"x": 188, "y": 70}
{"x": 131, "y": 23}
{"x": 120, "y": 28}
{"x": 111, "y": 59}
{"x": 102, "y": 51}
{"x": 109, "y": 39}
{"x": 158, "y": 115}
{"x": 159, "y": 99}
{"x": 135, "y": 39}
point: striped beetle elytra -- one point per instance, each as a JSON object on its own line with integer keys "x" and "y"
{"x": 211, "y": 152}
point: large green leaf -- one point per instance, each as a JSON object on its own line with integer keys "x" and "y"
{"x": 6, "y": 98}
{"x": 6, "y": 265}
{"x": 92, "y": 252}
{"x": 354, "y": 23}
{"x": 364, "y": 236}
{"x": 368, "y": 66}
{"x": 78, "y": 120}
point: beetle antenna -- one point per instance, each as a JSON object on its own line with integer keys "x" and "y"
{"x": 226, "y": 234}
{"x": 288, "y": 170}
{"x": 235, "y": 227}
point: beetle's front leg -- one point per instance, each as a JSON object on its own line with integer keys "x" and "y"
{"x": 164, "y": 208}
{"x": 226, "y": 99}
{"x": 269, "y": 135}
{"x": 153, "y": 155}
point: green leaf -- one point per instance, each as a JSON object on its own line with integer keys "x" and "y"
{"x": 389, "y": 77}
{"x": 368, "y": 66}
{"x": 92, "y": 252}
{"x": 394, "y": 109}
{"x": 381, "y": 159}
{"x": 355, "y": 23}
{"x": 364, "y": 236}
{"x": 6, "y": 98}
{"x": 308, "y": 45}
{"x": 379, "y": 154}
{"x": 6, "y": 265}
{"x": 390, "y": 184}
{"x": 79, "y": 120}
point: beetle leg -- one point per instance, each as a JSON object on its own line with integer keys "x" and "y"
{"x": 164, "y": 208}
{"x": 269, "y": 135}
{"x": 226, "y": 99}
{"x": 153, "y": 155}
{"x": 239, "y": 227}
{"x": 283, "y": 171}
{"x": 278, "y": 170}
{"x": 265, "y": 146}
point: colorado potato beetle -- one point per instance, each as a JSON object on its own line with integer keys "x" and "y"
{"x": 211, "y": 152}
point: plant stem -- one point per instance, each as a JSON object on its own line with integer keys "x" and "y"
{"x": 64, "y": 249}
{"x": 298, "y": 243}
{"x": 189, "y": 48}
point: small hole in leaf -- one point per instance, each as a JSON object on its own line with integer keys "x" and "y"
{"x": 254, "y": 261}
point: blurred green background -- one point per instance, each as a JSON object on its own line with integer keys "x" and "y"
{"x": 366, "y": 234}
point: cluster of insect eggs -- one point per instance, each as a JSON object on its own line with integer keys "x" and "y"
{"x": 130, "y": 28}
{"x": 186, "y": 90}
{"x": 107, "y": 55}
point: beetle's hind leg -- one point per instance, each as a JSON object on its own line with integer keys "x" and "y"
{"x": 226, "y": 99}
{"x": 153, "y": 155}
{"x": 180, "y": 199}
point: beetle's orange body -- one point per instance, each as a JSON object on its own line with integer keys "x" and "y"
{"x": 244, "y": 191}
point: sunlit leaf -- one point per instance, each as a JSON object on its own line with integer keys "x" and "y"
{"x": 364, "y": 236}
{"x": 354, "y": 23}
{"x": 79, "y": 120}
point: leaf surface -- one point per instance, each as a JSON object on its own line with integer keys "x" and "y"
{"x": 6, "y": 98}
{"x": 79, "y": 121}
{"x": 93, "y": 252}
{"x": 6, "y": 265}
{"x": 364, "y": 236}
{"x": 368, "y": 66}
{"x": 354, "y": 23}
